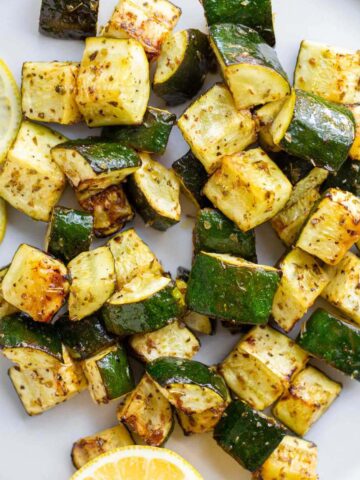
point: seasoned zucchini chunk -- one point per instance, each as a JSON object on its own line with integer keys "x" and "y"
{"x": 259, "y": 435}
{"x": 147, "y": 22}
{"x": 149, "y": 302}
{"x": 88, "y": 448}
{"x": 24, "y": 178}
{"x": 147, "y": 413}
{"x": 5, "y": 307}
{"x": 265, "y": 117}
{"x": 49, "y": 92}
{"x": 108, "y": 374}
{"x": 174, "y": 340}
{"x": 333, "y": 226}
{"x": 151, "y": 136}
{"x": 290, "y": 220}
{"x": 213, "y": 232}
{"x": 155, "y": 193}
{"x": 333, "y": 340}
{"x": 214, "y": 128}
{"x": 250, "y": 67}
{"x": 330, "y": 72}
{"x": 69, "y": 19}
{"x": 355, "y": 149}
{"x": 314, "y": 129}
{"x": 347, "y": 178}
{"x": 262, "y": 365}
{"x": 295, "y": 168}
{"x": 35, "y": 283}
{"x": 92, "y": 282}
{"x": 113, "y": 82}
{"x": 248, "y": 188}
{"x": 293, "y": 459}
{"x": 93, "y": 165}
{"x": 230, "y": 288}
{"x": 302, "y": 282}
{"x": 310, "y": 394}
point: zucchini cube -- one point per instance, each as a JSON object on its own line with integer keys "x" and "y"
{"x": 147, "y": 22}
{"x": 6, "y": 308}
{"x": 49, "y": 92}
{"x": 302, "y": 282}
{"x": 347, "y": 178}
{"x": 248, "y": 188}
{"x": 35, "y": 283}
{"x": 108, "y": 374}
{"x": 333, "y": 227}
{"x": 309, "y": 395}
{"x": 198, "y": 423}
{"x": 265, "y": 117}
{"x": 113, "y": 82}
{"x": 213, "y": 127}
{"x": 92, "y": 277}
{"x": 354, "y": 153}
{"x": 24, "y": 178}
{"x": 147, "y": 413}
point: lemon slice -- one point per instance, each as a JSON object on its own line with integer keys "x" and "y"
{"x": 10, "y": 109}
{"x": 138, "y": 463}
{"x": 3, "y": 219}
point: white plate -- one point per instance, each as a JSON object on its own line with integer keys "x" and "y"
{"x": 38, "y": 448}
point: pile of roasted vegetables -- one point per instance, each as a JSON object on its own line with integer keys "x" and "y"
{"x": 260, "y": 151}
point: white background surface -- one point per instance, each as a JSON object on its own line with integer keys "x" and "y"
{"x": 39, "y": 448}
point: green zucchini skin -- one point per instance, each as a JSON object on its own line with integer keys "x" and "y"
{"x": 347, "y": 178}
{"x": 250, "y": 438}
{"x": 151, "y": 136}
{"x": 70, "y": 233}
{"x": 294, "y": 168}
{"x": 169, "y": 370}
{"x": 227, "y": 292}
{"x": 256, "y": 14}
{"x": 320, "y": 132}
{"x": 334, "y": 341}
{"x": 148, "y": 315}
{"x": 192, "y": 176}
{"x": 214, "y": 232}
{"x": 116, "y": 374}
{"x": 18, "y": 331}
{"x": 69, "y": 19}
{"x": 85, "y": 338}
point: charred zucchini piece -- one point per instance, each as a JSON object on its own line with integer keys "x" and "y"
{"x": 248, "y": 436}
{"x": 6, "y": 308}
{"x": 49, "y": 92}
{"x": 213, "y": 232}
{"x": 73, "y": 19}
{"x": 151, "y": 136}
{"x": 314, "y": 129}
{"x": 190, "y": 386}
{"x": 333, "y": 226}
{"x": 310, "y": 394}
{"x": 92, "y": 282}
{"x": 335, "y": 341}
{"x": 214, "y": 128}
{"x": 249, "y": 65}
{"x": 24, "y": 178}
{"x": 248, "y": 188}
{"x": 354, "y": 153}
{"x": 192, "y": 177}
{"x": 303, "y": 280}
{"x": 106, "y": 64}
{"x": 347, "y": 178}
{"x": 265, "y": 117}
{"x": 147, "y": 413}
{"x": 88, "y": 448}
{"x": 69, "y": 233}
{"x": 35, "y": 283}
{"x": 93, "y": 164}
{"x": 295, "y": 168}
{"x": 330, "y": 72}
{"x": 155, "y": 193}
{"x": 108, "y": 374}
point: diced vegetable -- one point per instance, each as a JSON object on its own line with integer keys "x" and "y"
{"x": 248, "y": 188}
{"x": 106, "y": 64}
{"x": 265, "y": 117}
{"x": 5, "y": 307}
{"x": 355, "y": 149}
{"x": 347, "y": 178}
{"x": 214, "y": 128}
{"x": 295, "y": 168}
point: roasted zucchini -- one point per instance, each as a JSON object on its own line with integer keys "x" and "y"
{"x": 92, "y": 277}
{"x": 295, "y": 168}
{"x": 214, "y": 128}
{"x": 5, "y": 307}
{"x": 347, "y": 178}
{"x": 35, "y": 283}
{"x": 249, "y": 65}
{"x": 24, "y": 177}
{"x": 155, "y": 193}
{"x": 265, "y": 117}
{"x": 106, "y": 64}
{"x": 248, "y": 188}
{"x": 49, "y": 92}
